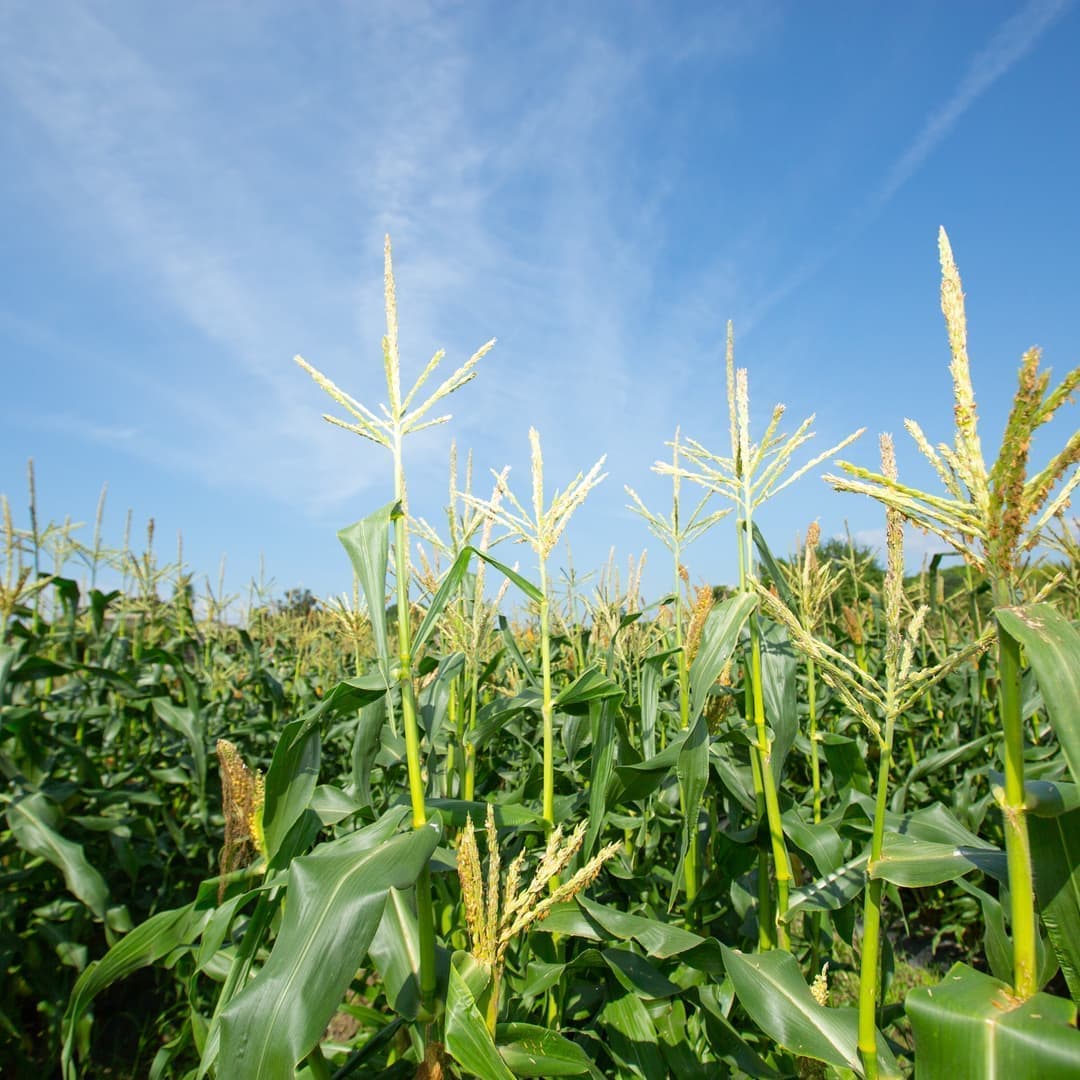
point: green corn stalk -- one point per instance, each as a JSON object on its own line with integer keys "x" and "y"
{"x": 676, "y": 535}
{"x": 992, "y": 517}
{"x": 541, "y": 530}
{"x": 467, "y": 623}
{"x": 389, "y": 431}
{"x": 749, "y": 477}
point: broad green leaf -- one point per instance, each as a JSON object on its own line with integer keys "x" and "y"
{"x": 332, "y": 804}
{"x": 821, "y": 841}
{"x": 971, "y": 1025}
{"x": 294, "y": 768}
{"x": 395, "y": 952}
{"x": 915, "y": 863}
{"x": 641, "y": 778}
{"x": 1046, "y": 798}
{"x": 776, "y": 575}
{"x": 185, "y": 721}
{"x": 719, "y": 636}
{"x": 366, "y": 743}
{"x": 847, "y": 763}
{"x": 631, "y": 1035}
{"x": 637, "y": 975}
{"x": 468, "y": 1040}
{"x": 771, "y": 988}
{"x": 1052, "y": 645}
{"x": 290, "y": 783}
{"x": 8, "y": 656}
{"x": 35, "y": 821}
{"x": 832, "y": 891}
{"x": 530, "y": 1050}
{"x": 652, "y": 677}
{"x": 590, "y": 685}
{"x": 149, "y": 942}
{"x": 569, "y": 919}
{"x": 601, "y": 761}
{"x": 368, "y": 546}
{"x": 334, "y": 903}
{"x": 1055, "y": 859}
{"x": 455, "y": 812}
{"x": 657, "y": 938}
{"x": 726, "y": 1041}
{"x": 692, "y": 771}
{"x": 778, "y": 690}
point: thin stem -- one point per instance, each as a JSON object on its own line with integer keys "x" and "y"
{"x": 815, "y": 763}
{"x": 547, "y": 709}
{"x": 871, "y": 944}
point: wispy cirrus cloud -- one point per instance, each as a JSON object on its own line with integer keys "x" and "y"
{"x": 1015, "y": 38}
{"x": 496, "y": 170}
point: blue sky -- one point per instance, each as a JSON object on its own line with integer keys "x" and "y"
{"x": 192, "y": 194}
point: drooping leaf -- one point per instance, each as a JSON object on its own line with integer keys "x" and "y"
{"x": 778, "y": 691}
{"x": 692, "y": 771}
{"x": 35, "y": 821}
{"x": 334, "y": 902}
{"x": 820, "y": 841}
{"x": 395, "y": 952}
{"x": 294, "y": 768}
{"x": 772, "y": 989}
{"x": 149, "y": 942}
{"x": 601, "y": 761}
{"x": 631, "y": 1035}
{"x": 591, "y": 685}
{"x": 832, "y": 891}
{"x": 909, "y": 861}
{"x": 652, "y": 677}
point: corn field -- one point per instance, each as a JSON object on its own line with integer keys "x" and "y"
{"x": 467, "y": 820}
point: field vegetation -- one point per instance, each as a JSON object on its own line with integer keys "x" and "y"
{"x": 825, "y": 822}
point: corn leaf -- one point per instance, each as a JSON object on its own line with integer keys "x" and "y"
{"x": 530, "y": 1050}
{"x": 468, "y": 1040}
{"x": 335, "y": 901}
{"x": 772, "y": 989}
{"x": 1052, "y": 645}
{"x": 719, "y": 636}
{"x": 971, "y": 1025}
{"x": 1055, "y": 858}
{"x": 35, "y": 822}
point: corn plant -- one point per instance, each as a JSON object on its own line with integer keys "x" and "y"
{"x": 752, "y": 474}
{"x": 541, "y": 530}
{"x": 992, "y": 516}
